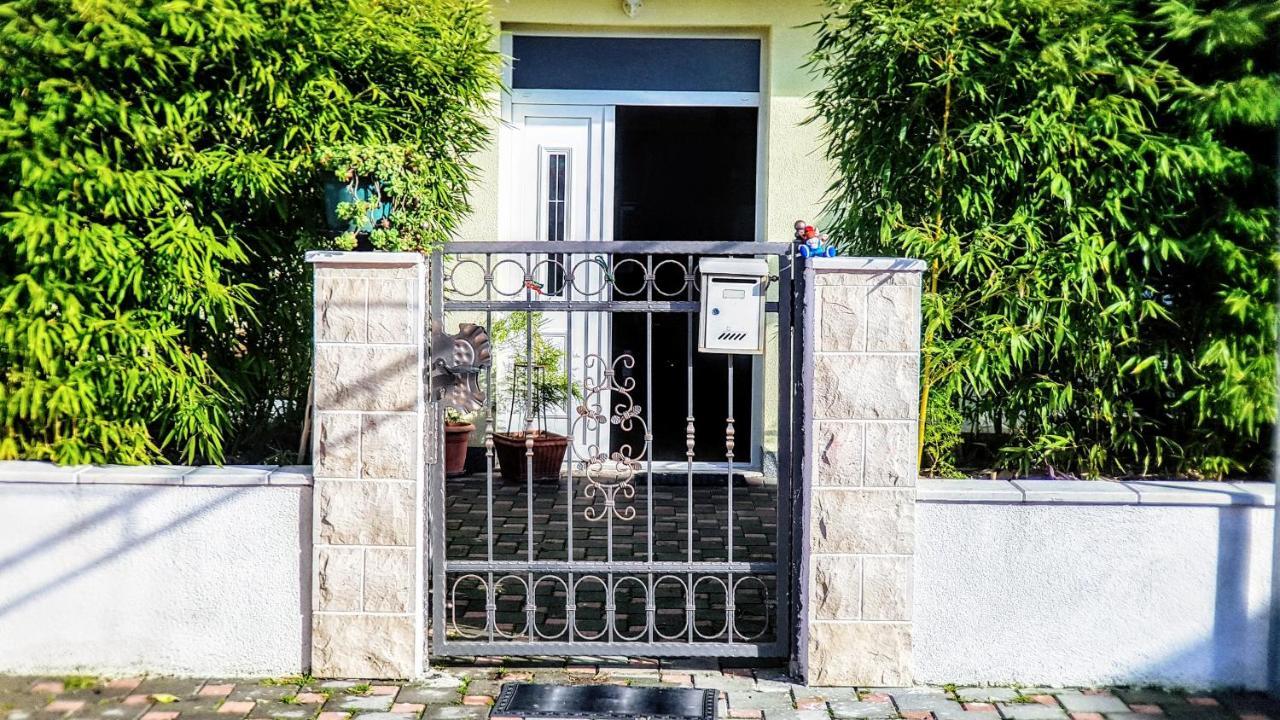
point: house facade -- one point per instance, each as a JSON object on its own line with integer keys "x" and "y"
{"x": 791, "y": 169}
{"x": 756, "y": 507}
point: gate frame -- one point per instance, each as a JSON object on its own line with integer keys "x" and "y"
{"x": 787, "y": 628}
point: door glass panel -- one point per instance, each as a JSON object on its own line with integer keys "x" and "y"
{"x": 548, "y": 62}
{"x": 556, "y": 212}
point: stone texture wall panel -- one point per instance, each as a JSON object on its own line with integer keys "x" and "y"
{"x": 357, "y": 512}
{"x": 867, "y": 279}
{"x": 865, "y": 387}
{"x": 337, "y": 445}
{"x": 392, "y": 307}
{"x": 860, "y": 653}
{"x": 839, "y": 448}
{"x": 893, "y": 319}
{"x": 385, "y": 573}
{"x": 886, "y": 588}
{"x": 843, "y": 319}
{"x": 385, "y": 445}
{"x": 340, "y": 310}
{"x": 891, "y": 454}
{"x": 837, "y": 587}
{"x": 362, "y": 646}
{"x": 863, "y": 521}
{"x": 339, "y": 577}
{"x": 361, "y": 377}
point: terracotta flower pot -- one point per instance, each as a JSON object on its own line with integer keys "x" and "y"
{"x": 456, "y": 438}
{"x": 548, "y": 454}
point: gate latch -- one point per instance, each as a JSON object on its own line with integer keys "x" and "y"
{"x": 456, "y": 362}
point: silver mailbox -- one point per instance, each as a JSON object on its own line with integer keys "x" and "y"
{"x": 732, "y": 311}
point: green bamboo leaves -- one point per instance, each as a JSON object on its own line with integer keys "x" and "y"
{"x": 1092, "y": 183}
{"x": 158, "y": 185}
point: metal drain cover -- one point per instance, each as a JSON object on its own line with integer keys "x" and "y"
{"x": 609, "y": 702}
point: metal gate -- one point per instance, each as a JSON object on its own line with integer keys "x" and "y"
{"x": 660, "y": 531}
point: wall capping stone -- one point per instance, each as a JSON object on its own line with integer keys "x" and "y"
{"x": 363, "y": 259}
{"x": 1097, "y": 492}
{"x": 39, "y": 472}
{"x": 867, "y": 264}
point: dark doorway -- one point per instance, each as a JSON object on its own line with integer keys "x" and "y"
{"x": 684, "y": 173}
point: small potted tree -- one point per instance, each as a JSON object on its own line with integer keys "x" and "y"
{"x": 457, "y": 436}
{"x": 533, "y": 384}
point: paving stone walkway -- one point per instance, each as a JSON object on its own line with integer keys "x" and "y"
{"x": 466, "y": 692}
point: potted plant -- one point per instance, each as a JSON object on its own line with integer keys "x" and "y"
{"x": 534, "y": 383}
{"x": 457, "y": 436}
{"x": 383, "y": 197}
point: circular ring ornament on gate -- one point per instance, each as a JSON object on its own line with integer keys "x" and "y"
{"x": 723, "y": 586}
{"x": 684, "y": 603}
{"x": 604, "y": 273}
{"x": 617, "y": 269}
{"x": 538, "y": 634}
{"x": 644, "y": 589}
{"x": 493, "y": 609}
{"x": 577, "y": 589}
{"x": 451, "y": 288}
{"x": 765, "y": 602}
{"x": 684, "y": 278}
{"x": 461, "y": 630}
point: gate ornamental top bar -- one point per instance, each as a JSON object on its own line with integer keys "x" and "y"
{"x": 637, "y": 247}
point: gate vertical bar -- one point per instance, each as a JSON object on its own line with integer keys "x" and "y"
{"x": 491, "y": 423}
{"x": 690, "y": 604}
{"x": 436, "y": 548}
{"x": 570, "y": 490}
{"x": 650, "y": 609}
{"x": 728, "y": 453}
{"x": 529, "y": 409}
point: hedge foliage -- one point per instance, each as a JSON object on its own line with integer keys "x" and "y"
{"x": 1093, "y": 186}
{"x": 159, "y": 180}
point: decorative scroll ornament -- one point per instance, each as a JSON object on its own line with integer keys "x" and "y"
{"x": 456, "y": 362}
{"x": 609, "y": 476}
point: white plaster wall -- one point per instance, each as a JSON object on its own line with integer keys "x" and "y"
{"x": 1092, "y": 594}
{"x": 159, "y": 578}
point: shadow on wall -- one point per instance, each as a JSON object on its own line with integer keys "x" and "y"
{"x": 1234, "y": 653}
{"x": 1094, "y": 594}
{"x": 118, "y": 577}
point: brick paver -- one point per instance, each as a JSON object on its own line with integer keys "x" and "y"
{"x": 466, "y": 692}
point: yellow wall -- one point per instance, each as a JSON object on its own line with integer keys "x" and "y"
{"x": 796, "y": 173}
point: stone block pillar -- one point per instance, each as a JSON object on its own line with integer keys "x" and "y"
{"x": 367, "y": 450}
{"x": 863, "y": 352}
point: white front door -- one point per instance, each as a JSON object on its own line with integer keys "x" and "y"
{"x": 558, "y": 186}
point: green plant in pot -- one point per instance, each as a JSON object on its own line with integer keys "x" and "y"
{"x": 535, "y": 382}
{"x": 457, "y": 437}
{"x": 381, "y": 197}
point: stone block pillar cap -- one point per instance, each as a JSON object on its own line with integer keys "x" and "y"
{"x": 868, "y": 264}
{"x": 338, "y": 257}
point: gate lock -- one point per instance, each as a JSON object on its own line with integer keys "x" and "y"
{"x": 731, "y": 320}
{"x": 456, "y": 362}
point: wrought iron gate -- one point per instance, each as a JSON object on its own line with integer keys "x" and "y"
{"x": 612, "y": 551}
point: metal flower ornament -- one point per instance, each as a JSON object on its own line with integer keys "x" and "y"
{"x": 811, "y": 243}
